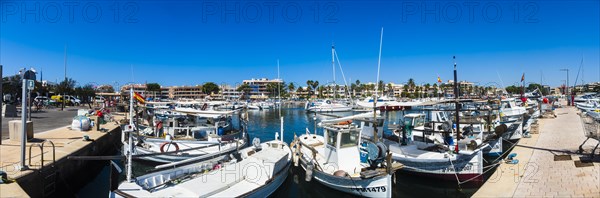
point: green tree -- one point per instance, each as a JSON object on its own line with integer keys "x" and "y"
{"x": 244, "y": 89}
{"x": 86, "y": 94}
{"x": 320, "y": 90}
{"x": 273, "y": 88}
{"x": 299, "y": 90}
{"x": 153, "y": 88}
{"x": 291, "y": 87}
{"x": 66, "y": 86}
{"x": 315, "y": 85}
{"x": 210, "y": 88}
{"x": 411, "y": 84}
{"x": 352, "y": 89}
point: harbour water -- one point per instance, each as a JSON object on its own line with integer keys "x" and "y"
{"x": 264, "y": 123}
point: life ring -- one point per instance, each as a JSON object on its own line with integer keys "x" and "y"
{"x": 162, "y": 146}
{"x": 347, "y": 122}
{"x": 204, "y": 106}
{"x": 328, "y": 101}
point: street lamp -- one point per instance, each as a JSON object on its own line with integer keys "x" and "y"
{"x": 567, "y": 85}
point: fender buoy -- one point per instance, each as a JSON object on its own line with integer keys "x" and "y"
{"x": 162, "y": 146}
{"x": 347, "y": 122}
{"x": 204, "y": 106}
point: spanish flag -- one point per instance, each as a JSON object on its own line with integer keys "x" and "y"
{"x": 439, "y": 80}
{"x": 523, "y": 77}
{"x": 139, "y": 97}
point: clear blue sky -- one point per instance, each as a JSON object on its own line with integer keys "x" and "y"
{"x": 188, "y": 42}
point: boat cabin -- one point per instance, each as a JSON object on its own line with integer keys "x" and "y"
{"x": 341, "y": 150}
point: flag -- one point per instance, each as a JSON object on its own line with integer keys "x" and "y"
{"x": 139, "y": 97}
{"x": 523, "y": 77}
{"x": 439, "y": 80}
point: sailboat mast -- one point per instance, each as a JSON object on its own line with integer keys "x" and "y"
{"x": 130, "y": 141}
{"x": 376, "y": 137}
{"x": 280, "y": 103}
{"x": 333, "y": 67}
{"x": 379, "y": 62}
{"x": 456, "y": 105}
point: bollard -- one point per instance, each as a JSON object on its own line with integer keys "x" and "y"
{"x": 97, "y": 121}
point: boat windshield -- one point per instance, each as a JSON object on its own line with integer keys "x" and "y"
{"x": 506, "y": 105}
{"x": 349, "y": 139}
{"x": 419, "y": 121}
{"x": 331, "y": 137}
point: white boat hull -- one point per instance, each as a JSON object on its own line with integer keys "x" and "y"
{"x": 464, "y": 167}
{"x": 380, "y": 186}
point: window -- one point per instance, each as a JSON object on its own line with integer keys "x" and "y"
{"x": 331, "y": 137}
{"x": 420, "y": 121}
{"x": 349, "y": 139}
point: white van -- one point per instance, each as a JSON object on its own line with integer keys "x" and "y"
{"x": 98, "y": 99}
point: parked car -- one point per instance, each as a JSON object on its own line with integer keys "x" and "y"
{"x": 99, "y": 99}
{"x": 57, "y": 98}
{"x": 43, "y": 100}
{"x": 68, "y": 101}
{"x": 73, "y": 100}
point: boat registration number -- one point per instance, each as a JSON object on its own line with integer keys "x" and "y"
{"x": 371, "y": 189}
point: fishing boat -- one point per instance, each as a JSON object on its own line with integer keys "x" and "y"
{"x": 510, "y": 109}
{"x": 426, "y": 148}
{"x": 175, "y": 138}
{"x": 197, "y": 107}
{"x": 334, "y": 160}
{"x": 256, "y": 171}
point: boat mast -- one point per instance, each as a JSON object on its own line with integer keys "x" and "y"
{"x": 130, "y": 141}
{"x": 333, "y": 67}
{"x": 379, "y": 62}
{"x": 456, "y": 105}
{"x": 280, "y": 103}
{"x": 376, "y": 137}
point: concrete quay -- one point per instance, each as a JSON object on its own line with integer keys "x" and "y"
{"x": 49, "y": 177}
{"x": 547, "y": 163}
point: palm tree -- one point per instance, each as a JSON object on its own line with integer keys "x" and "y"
{"x": 411, "y": 83}
{"x": 352, "y": 88}
{"x": 245, "y": 89}
{"x": 309, "y": 84}
{"x": 390, "y": 88}
{"x": 291, "y": 87}
{"x": 320, "y": 89}
{"x": 427, "y": 86}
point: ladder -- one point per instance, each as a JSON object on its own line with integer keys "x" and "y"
{"x": 49, "y": 174}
